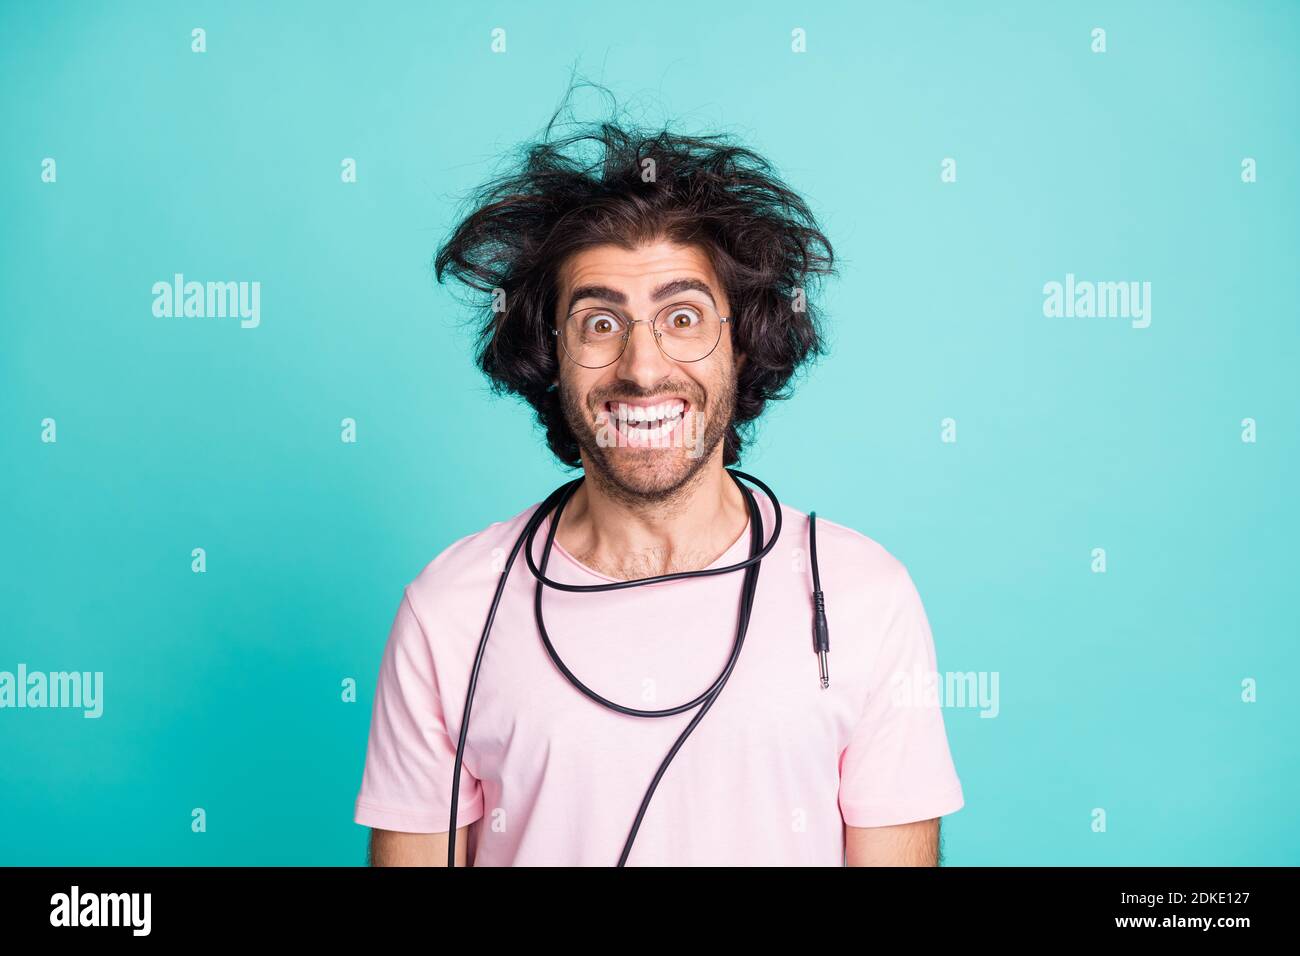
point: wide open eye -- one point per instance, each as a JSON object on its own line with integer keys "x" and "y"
{"x": 598, "y": 325}
{"x": 682, "y": 318}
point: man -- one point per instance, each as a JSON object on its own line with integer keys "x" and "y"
{"x": 647, "y": 302}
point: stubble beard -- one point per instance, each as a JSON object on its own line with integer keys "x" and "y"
{"x": 638, "y": 477}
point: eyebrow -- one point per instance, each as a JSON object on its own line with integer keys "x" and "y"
{"x": 662, "y": 292}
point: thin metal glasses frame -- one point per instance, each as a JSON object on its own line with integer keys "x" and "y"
{"x": 631, "y": 324}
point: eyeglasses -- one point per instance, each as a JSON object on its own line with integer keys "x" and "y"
{"x": 684, "y": 331}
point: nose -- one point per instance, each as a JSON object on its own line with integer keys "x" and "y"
{"x": 641, "y": 361}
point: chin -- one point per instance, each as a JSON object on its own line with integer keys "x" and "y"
{"x": 649, "y": 473}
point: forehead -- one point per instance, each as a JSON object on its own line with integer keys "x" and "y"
{"x": 635, "y": 271}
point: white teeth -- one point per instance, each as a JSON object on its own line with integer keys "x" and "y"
{"x": 667, "y": 411}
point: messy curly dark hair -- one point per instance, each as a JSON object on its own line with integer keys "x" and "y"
{"x": 566, "y": 193}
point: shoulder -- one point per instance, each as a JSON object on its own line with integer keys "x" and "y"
{"x": 862, "y": 579}
{"x": 876, "y": 612}
{"x": 468, "y": 564}
{"x": 845, "y": 548}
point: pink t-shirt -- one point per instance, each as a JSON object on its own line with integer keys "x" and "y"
{"x": 769, "y": 777}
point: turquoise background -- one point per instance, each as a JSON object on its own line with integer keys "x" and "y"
{"x": 1118, "y": 690}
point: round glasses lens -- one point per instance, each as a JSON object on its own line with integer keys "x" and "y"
{"x": 593, "y": 337}
{"x": 689, "y": 331}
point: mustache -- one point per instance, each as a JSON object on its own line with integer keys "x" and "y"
{"x": 693, "y": 395}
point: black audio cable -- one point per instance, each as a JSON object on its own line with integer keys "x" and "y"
{"x": 821, "y": 630}
{"x": 557, "y": 500}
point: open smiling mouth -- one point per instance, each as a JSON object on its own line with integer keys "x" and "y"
{"x": 643, "y": 423}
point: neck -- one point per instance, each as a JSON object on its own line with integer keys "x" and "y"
{"x": 619, "y": 536}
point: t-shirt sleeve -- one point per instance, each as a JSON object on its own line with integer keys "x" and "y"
{"x": 897, "y": 767}
{"x": 406, "y": 784}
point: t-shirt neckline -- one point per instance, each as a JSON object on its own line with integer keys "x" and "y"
{"x": 730, "y": 556}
